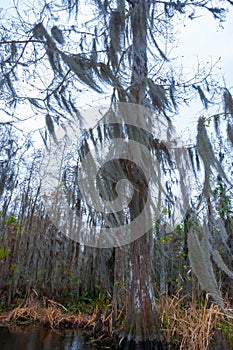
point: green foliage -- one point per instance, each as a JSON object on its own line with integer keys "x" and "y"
{"x": 10, "y": 220}
{"x": 9, "y": 282}
{"x": 4, "y": 307}
{"x": 87, "y": 302}
{"x": 14, "y": 266}
{"x": 166, "y": 239}
{"x": 227, "y": 329}
{"x": 179, "y": 230}
{"x": 206, "y": 121}
{"x": 224, "y": 202}
{"x": 3, "y": 253}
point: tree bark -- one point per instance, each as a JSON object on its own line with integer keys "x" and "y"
{"x": 141, "y": 328}
{"x": 139, "y": 48}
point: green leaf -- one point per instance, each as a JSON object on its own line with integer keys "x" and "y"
{"x": 14, "y": 266}
{"x": 3, "y": 253}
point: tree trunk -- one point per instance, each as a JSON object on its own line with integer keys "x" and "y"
{"x": 139, "y": 48}
{"x": 141, "y": 329}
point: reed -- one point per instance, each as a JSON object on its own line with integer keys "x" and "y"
{"x": 192, "y": 326}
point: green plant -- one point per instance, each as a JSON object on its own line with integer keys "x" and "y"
{"x": 2, "y": 306}
{"x": 224, "y": 204}
{"x": 227, "y": 328}
{"x": 3, "y": 253}
{"x": 166, "y": 239}
{"x": 10, "y": 220}
{"x": 14, "y": 266}
{"x": 206, "y": 121}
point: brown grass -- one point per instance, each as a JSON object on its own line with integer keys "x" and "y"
{"x": 54, "y": 315}
{"x": 186, "y": 327}
{"x": 190, "y": 327}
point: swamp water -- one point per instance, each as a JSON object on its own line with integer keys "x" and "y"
{"x": 37, "y": 338}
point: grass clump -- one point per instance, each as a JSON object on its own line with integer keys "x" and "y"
{"x": 192, "y": 326}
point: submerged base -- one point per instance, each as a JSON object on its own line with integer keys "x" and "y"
{"x": 145, "y": 345}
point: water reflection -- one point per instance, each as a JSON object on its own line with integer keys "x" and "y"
{"x": 33, "y": 338}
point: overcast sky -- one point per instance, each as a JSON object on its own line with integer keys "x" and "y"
{"x": 201, "y": 40}
{"x": 204, "y": 38}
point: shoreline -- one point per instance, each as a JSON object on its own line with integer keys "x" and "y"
{"x": 54, "y": 317}
{"x": 191, "y": 325}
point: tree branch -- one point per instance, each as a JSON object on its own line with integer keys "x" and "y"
{"x": 21, "y": 41}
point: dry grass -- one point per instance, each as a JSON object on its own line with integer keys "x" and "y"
{"x": 192, "y": 326}
{"x": 54, "y": 315}
{"x": 186, "y": 327}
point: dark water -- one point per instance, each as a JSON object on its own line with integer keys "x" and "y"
{"x": 32, "y": 338}
{"x": 38, "y": 338}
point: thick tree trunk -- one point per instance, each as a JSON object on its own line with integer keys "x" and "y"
{"x": 141, "y": 320}
{"x": 141, "y": 328}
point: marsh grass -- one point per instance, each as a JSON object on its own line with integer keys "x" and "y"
{"x": 51, "y": 314}
{"x": 186, "y": 326}
{"x": 192, "y": 326}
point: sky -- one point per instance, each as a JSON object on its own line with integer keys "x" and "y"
{"x": 204, "y": 38}
{"x": 201, "y": 40}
